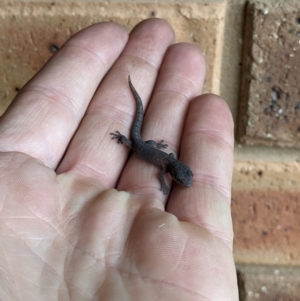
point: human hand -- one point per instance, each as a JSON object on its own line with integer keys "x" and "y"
{"x": 65, "y": 234}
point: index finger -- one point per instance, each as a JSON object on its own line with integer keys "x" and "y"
{"x": 47, "y": 111}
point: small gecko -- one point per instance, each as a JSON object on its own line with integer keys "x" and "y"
{"x": 151, "y": 150}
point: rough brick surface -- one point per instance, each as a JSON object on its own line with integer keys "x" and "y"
{"x": 269, "y": 283}
{"x": 266, "y": 211}
{"x": 270, "y": 94}
{"x": 30, "y": 32}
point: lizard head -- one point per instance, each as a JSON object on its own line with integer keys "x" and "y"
{"x": 181, "y": 173}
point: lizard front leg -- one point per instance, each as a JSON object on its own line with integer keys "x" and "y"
{"x": 159, "y": 145}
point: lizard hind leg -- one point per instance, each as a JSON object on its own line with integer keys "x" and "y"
{"x": 164, "y": 187}
{"x": 121, "y": 138}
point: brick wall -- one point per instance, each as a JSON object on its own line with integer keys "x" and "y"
{"x": 253, "y": 59}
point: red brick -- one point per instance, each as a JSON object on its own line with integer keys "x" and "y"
{"x": 270, "y": 93}
{"x": 268, "y": 283}
{"x": 266, "y": 226}
{"x": 266, "y": 211}
{"x": 29, "y": 31}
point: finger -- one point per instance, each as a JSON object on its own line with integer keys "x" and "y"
{"x": 92, "y": 152}
{"x": 207, "y": 146}
{"x": 46, "y": 113}
{"x": 180, "y": 79}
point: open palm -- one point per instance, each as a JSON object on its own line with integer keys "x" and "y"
{"x": 65, "y": 233}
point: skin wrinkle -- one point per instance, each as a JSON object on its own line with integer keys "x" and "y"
{"x": 33, "y": 239}
{"x": 153, "y": 280}
{"x": 186, "y": 79}
{"x": 28, "y": 293}
{"x": 60, "y": 92}
{"x": 210, "y": 133}
{"x": 148, "y": 63}
{"x": 98, "y": 106}
{"x": 8, "y": 129}
{"x": 73, "y": 79}
{"x": 115, "y": 114}
{"x": 67, "y": 263}
{"x": 65, "y": 75}
{"x": 2, "y": 201}
{"x": 81, "y": 168}
{"x": 59, "y": 191}
{"x": 174, "y": 92}
{"x": 28, "y": 101}
{"x": 2, "y": 293}
{"x": 57, "y": 96}
{"x": 158, "y": 297}
{"x": 94, "y": 54}
{"x": 104, "y": 185}
{"x": 90, "y": 133}
{"x": 65, "y": 287}
{"x": 211, "y": 181}
{"x": 216, "y": 231}
{"x": 101, "y": 259}
{"x": 14, "y": 172}
{"x": 97, "y": 260}
{"x": 10, "y": 270}
{"x": 223, "y": 238}
{"x": 35, "y": 253}
{"x": 162, "y": 281}
{"x": 38, "y": 108}
{"x": 130, "y": 274}
{"x": 181, "y": 255}
{"x": 66, "y": 236}
{"x": 44, "y": 220}
{"x": 79, "y": 164}
{"x": 5, "y": 163}
{"x": 147, "y": 190}
{"x": 83, "y": 292}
